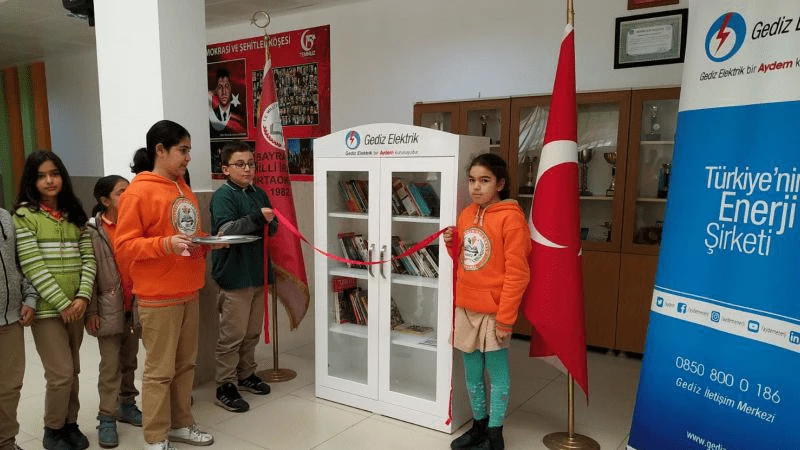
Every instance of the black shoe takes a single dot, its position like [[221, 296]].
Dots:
[[54, 440], [229, 398], [255, 385], [74, 437], [496, 438], [473, 436]]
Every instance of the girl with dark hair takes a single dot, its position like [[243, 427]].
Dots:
[[110, 318], [493, 243], [55, 253], [158, 216]]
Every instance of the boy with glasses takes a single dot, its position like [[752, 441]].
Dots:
[[239, 207]]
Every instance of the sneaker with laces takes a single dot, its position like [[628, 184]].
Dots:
[[72, 434], [190, 435], [255, 385], [129, 413], [164, 445], [229, 398]]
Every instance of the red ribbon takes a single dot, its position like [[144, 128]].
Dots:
[[415, 248]]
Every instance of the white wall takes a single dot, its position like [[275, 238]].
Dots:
[[74, 105], [388, 54]]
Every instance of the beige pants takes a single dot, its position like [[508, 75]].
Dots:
[[241, 317], [12, 370], [58, 345], [169, 335], [117, 366]]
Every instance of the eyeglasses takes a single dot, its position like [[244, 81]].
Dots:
[[242, 165]]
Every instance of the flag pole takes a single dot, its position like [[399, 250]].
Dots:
[[261, 20], [570, 440]]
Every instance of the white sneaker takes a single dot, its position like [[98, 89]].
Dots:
[[191, 435], [165, 445]]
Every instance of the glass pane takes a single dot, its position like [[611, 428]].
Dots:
[[438, 121], [657, 131], [348, 293], [598, 125], [532, 123], [485, 122], [414, 284]]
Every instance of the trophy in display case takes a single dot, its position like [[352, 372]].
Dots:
[[530, 184], [584, 156], [437, 125], [654, 133], [483, 124], [663, 180], [611, 158]]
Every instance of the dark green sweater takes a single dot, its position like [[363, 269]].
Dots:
[[236, 210]]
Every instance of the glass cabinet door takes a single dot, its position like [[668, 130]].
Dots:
[[489, 118], [439, 116], [351, 232], [655, 115], [414, 310], [602, 143]]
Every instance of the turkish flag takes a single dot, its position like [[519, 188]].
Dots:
[[273, 176], [553, 302]]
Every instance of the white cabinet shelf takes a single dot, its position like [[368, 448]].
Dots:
[[361, 358]]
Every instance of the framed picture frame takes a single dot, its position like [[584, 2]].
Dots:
[[638, 4], [650, 39]]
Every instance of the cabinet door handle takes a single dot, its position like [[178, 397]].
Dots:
[[383, 250], [369, 257]]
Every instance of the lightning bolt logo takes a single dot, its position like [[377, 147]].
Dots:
[[723, 33], [352, 140]]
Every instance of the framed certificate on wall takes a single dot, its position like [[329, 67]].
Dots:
[[637, 4], [650, 39]]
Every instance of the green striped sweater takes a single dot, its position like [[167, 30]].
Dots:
[[57, 257]]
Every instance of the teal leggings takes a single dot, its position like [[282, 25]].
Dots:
[[496, 363]]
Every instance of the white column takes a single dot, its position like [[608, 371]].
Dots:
[[151, 62]]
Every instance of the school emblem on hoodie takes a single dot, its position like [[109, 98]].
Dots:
[[477, 249], [184, 216]]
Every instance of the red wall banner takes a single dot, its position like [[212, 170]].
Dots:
[[302, 73]]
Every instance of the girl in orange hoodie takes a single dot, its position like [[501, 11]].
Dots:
[[158, 216], [492, 247]]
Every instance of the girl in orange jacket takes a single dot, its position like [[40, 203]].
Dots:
[[493, 246]]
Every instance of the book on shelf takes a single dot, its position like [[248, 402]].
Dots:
[[350, 250], [429, 197], [400, 189], [408, 328], [351, 306], [354, 195], [424, 210]]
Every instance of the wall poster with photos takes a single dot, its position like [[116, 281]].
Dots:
[[301, 69]]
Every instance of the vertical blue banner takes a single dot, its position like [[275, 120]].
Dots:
[[722, 358]]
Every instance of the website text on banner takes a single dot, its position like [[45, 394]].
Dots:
[[723, 345]]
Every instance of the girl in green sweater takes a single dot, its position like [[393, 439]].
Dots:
[[55, 253]]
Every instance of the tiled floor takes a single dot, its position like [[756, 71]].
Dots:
[[292, 418]]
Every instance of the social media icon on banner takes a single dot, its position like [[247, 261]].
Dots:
[[659, 301], [715, 316], [794, 337], [682, 308], [753, 326]]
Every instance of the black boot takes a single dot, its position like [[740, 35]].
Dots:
[[473, 436], [54, 440], [496, 438], [74, 437]]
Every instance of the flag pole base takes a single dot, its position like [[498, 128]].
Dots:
[[278, 375], [565, 441]]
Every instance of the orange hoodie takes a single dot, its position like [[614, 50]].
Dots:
[[493, 261], [151, 211]]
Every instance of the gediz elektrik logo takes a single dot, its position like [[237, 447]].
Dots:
[[352, 140], [725, 36]]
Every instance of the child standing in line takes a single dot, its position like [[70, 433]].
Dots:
[[239, 207], [110, 318], [492, 276], [17, 307], [55, 253], [158, 216]]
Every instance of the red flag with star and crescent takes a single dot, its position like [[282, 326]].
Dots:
[[553, 302], [273, 176]]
